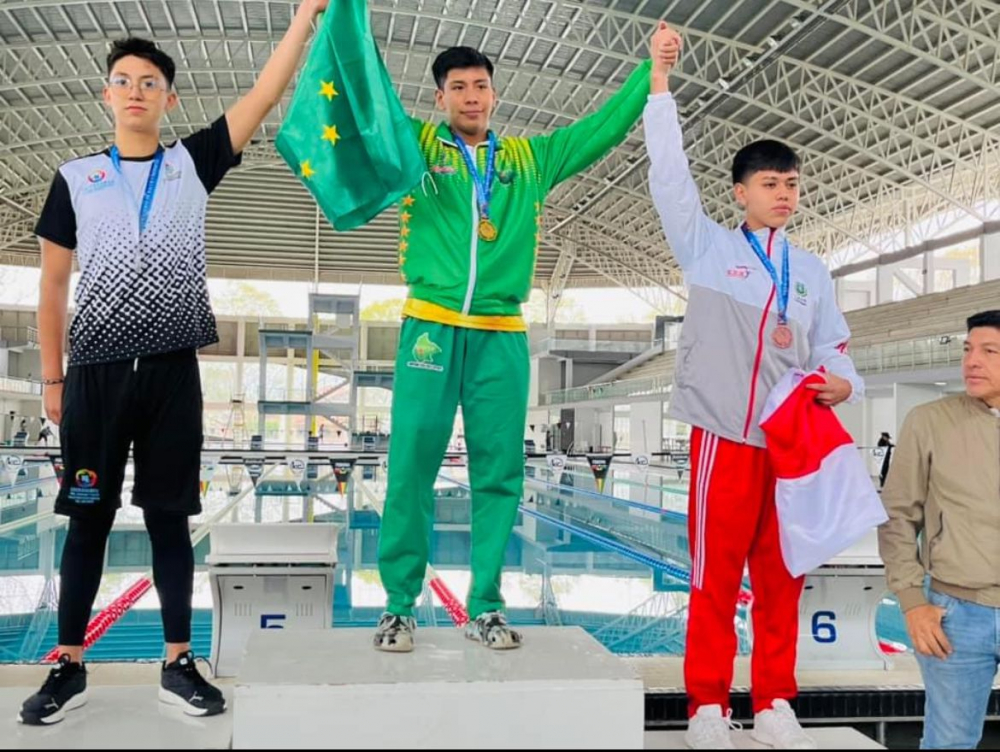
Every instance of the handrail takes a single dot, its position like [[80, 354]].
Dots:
[[20, 386], [649, 385], [550, 344], [15, 336], [941, 351]]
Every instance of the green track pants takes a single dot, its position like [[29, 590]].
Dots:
[[439, 367]]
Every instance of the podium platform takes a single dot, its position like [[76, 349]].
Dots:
[[826, 738], [123, 713], [116, 717], [332, 690]]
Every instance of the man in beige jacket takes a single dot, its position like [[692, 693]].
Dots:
[[941, 545]]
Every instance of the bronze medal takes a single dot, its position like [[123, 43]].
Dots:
[[782, 337]]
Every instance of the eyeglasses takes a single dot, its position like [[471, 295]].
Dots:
[[147, 84]]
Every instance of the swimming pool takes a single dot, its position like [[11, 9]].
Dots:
[[615, 563]]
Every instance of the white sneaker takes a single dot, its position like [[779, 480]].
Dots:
[[709, 729], [779, 728]]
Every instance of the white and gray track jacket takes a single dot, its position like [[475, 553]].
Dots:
[[726, 361]]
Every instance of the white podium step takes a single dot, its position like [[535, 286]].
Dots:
[[331, 690], [115, 718], [826, 738]]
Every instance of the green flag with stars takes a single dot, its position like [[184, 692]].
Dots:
[[346, 135]]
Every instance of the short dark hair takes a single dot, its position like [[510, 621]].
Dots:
[[458, 58], [986, 318], [763, 155], [136, 47]]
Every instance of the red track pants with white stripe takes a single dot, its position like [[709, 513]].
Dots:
[[733, 519]]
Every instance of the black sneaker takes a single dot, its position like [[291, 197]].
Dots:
[[65, 689], [394, 634], [491, 629], [183, 686]]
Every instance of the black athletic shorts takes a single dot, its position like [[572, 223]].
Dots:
[[153, 404]]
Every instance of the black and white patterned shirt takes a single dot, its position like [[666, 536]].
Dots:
[[138, 294]]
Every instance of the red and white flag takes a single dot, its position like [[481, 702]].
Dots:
[[825, 499]]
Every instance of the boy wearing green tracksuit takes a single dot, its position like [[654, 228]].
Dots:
[[467, 249]]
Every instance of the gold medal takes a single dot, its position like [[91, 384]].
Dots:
[[487, 230]]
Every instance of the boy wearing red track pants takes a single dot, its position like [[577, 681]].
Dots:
[[757, 307]]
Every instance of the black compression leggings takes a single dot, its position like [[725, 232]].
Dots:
[[83, 565]]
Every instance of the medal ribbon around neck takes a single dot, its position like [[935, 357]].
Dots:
[[783, 286], [149, 193], [483, 183]]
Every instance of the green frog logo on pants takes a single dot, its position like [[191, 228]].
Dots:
[[423, 354]]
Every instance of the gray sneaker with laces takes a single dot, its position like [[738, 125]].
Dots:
[[394, 634], [491, 629]]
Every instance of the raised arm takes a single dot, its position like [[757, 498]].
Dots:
[[246, 115], [688, 229], [566, 151]]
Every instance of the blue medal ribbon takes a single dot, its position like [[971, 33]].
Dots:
[[151, 183], [783, 285], [484, 184]]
